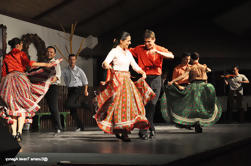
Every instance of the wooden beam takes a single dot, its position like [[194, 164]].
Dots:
[[53, 9]]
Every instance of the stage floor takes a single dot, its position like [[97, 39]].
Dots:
[[95, 147]]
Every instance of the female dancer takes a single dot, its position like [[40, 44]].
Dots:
[[121, 102], [20, 92], [197, 105]]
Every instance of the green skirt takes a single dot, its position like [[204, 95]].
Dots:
[[197, 103]]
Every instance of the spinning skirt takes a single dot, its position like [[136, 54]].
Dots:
[[120, 104], [21, 92], [197, 103]]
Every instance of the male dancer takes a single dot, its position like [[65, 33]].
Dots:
[[181, 84], [150, 58], [52, 94], [180, 70]]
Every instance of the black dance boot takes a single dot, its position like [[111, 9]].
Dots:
[[125, 137], [18, 137], [117, 135], [152, 134], [198, 128]]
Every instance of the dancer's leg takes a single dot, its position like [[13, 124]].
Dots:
[[14, 126], [21, 121]]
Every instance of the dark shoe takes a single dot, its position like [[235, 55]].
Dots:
[[18, 137], [125, 138], [198, 128], [144, 136], [152, 134], [118, 136]]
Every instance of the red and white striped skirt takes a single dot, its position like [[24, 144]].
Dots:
[[20, 96], [121, 104]]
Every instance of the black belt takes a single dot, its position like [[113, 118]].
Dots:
[[76, 87]]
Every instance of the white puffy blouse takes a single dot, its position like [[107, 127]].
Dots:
[[121, 59]]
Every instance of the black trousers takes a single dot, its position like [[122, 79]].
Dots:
[[154, 81], [232, 96], [52, 101], [73, 104]]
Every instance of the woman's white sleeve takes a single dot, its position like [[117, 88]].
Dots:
[[110, 56], [134, 65]]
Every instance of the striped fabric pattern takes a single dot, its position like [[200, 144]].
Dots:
[[197, 103], [121, 104], [21, 96]]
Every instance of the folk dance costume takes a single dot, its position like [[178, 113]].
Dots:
[[120, 102], [197, 105], [151, 63], [20, 92], [178, 71]]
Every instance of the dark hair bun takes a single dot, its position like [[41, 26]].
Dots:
[[13, 42], [10, 42], [195, 55], [120, 36]]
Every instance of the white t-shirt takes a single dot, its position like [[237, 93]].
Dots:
[[234, 83]]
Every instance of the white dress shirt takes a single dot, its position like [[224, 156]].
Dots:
[[58, 72]]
